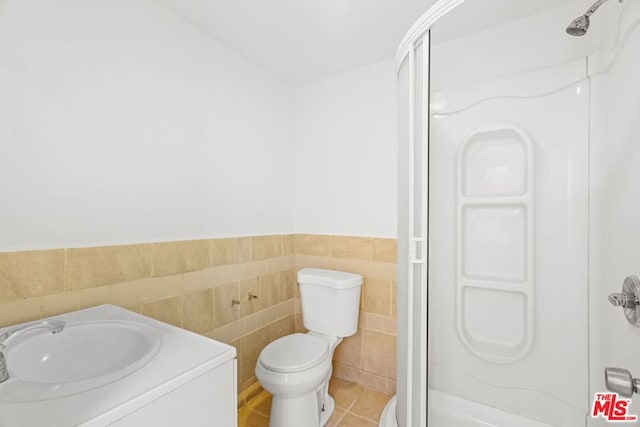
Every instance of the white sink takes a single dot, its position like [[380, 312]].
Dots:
[[109, 366], [85, 355]]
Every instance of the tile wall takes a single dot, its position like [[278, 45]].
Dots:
[[191, 284]]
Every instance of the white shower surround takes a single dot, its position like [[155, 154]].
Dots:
[[411, 407]]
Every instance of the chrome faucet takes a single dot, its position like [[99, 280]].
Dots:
[[54, 325]]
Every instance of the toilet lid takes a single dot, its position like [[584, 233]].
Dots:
[[294, 353]]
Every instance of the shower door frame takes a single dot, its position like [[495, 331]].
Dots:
[[413, 220]]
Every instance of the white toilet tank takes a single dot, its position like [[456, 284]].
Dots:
[[330, 301]]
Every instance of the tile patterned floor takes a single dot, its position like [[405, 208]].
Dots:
[[356, 406]]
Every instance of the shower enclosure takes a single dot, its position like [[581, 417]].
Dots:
[[519, 212]]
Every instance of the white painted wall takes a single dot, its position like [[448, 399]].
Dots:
[[122, 123], [346, 138]]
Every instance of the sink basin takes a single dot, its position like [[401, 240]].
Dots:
[[85, 355]]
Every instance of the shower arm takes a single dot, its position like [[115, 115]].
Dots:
[[596, 6]]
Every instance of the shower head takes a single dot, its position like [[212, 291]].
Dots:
[[580, 25]]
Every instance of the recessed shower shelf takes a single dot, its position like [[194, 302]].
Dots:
[[494, 259]]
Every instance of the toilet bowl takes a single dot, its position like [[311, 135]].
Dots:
[[296, 368]]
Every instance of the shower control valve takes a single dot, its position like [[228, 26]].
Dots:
[[629, 300], [622, 299]]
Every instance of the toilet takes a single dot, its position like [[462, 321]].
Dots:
[[296, 368]]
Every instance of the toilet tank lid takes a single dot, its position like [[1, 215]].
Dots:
[[330, 278]]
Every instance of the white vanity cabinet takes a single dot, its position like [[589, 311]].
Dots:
[[206, 401]]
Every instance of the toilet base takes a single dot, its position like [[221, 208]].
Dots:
[[290, 411], [329, 406], [300, 411]]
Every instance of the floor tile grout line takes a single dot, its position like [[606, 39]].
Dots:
[[339, 420], [347, 411], [359, 417], [255, 399], [355, 401], [256, 412]]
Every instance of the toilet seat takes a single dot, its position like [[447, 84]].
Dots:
[[294, 353]]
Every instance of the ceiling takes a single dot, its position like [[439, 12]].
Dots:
[[305, 40]]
